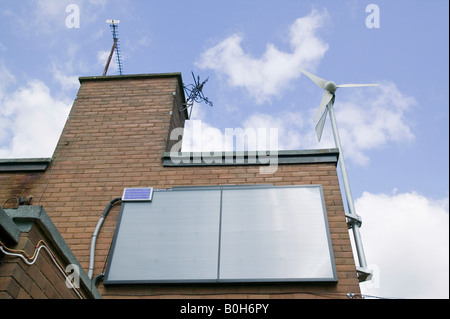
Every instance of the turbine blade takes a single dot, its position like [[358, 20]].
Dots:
[[326, 98], [320, 82], [320, 125], [354, 85]]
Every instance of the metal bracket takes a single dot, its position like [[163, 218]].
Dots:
[[353, 220], [364, 274], [186, 106]]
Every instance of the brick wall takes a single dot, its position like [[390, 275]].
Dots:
[[324, 174], [116, 134], [41, 280], [14, 185]]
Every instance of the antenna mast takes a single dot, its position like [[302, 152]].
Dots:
[[115, 32]]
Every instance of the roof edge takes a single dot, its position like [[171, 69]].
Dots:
[[262, 157], [24, 164], [129, 76]]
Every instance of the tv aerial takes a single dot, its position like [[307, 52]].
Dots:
[[114, 24], [326, 106], [194, 93]]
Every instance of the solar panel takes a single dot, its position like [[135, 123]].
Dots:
[[137, 194], [224, 234]]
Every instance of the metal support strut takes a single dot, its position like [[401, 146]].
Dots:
[[353, 220]]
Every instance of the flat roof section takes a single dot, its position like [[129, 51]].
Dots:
[[24, 164], [183, 159]]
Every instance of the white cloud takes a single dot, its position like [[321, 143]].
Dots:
[[368, 119], [67, 82], [6, 79], [268, 75], [287, 124], [372, 118], [256, 133], [406, 241], [32, 121], [199, 136], [46, 17], [63, 70], [102, 59]]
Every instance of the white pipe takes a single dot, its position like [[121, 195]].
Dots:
[[34, 260], [95, 234], [93, 242]]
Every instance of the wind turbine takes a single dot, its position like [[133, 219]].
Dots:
[[326, 105]]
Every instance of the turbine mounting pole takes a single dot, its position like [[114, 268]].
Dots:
[[355, 220], [326, 105]]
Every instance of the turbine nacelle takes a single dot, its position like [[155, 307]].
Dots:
[[331, 87]]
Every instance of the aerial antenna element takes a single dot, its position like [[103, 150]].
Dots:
[[114, 24], [195, 93]]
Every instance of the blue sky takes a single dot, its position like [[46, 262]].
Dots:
[[395, 136]]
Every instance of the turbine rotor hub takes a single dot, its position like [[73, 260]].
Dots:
[[331, 87]]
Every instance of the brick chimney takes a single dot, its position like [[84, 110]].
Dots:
[[114, 137]]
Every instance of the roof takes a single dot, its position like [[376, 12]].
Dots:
[[315, 156], [24, 164]]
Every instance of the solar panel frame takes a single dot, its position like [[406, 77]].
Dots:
[[225, 260]]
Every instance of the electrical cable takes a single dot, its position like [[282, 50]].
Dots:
[[325, 295], [30, 260], [46, 183], [364, 296]]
